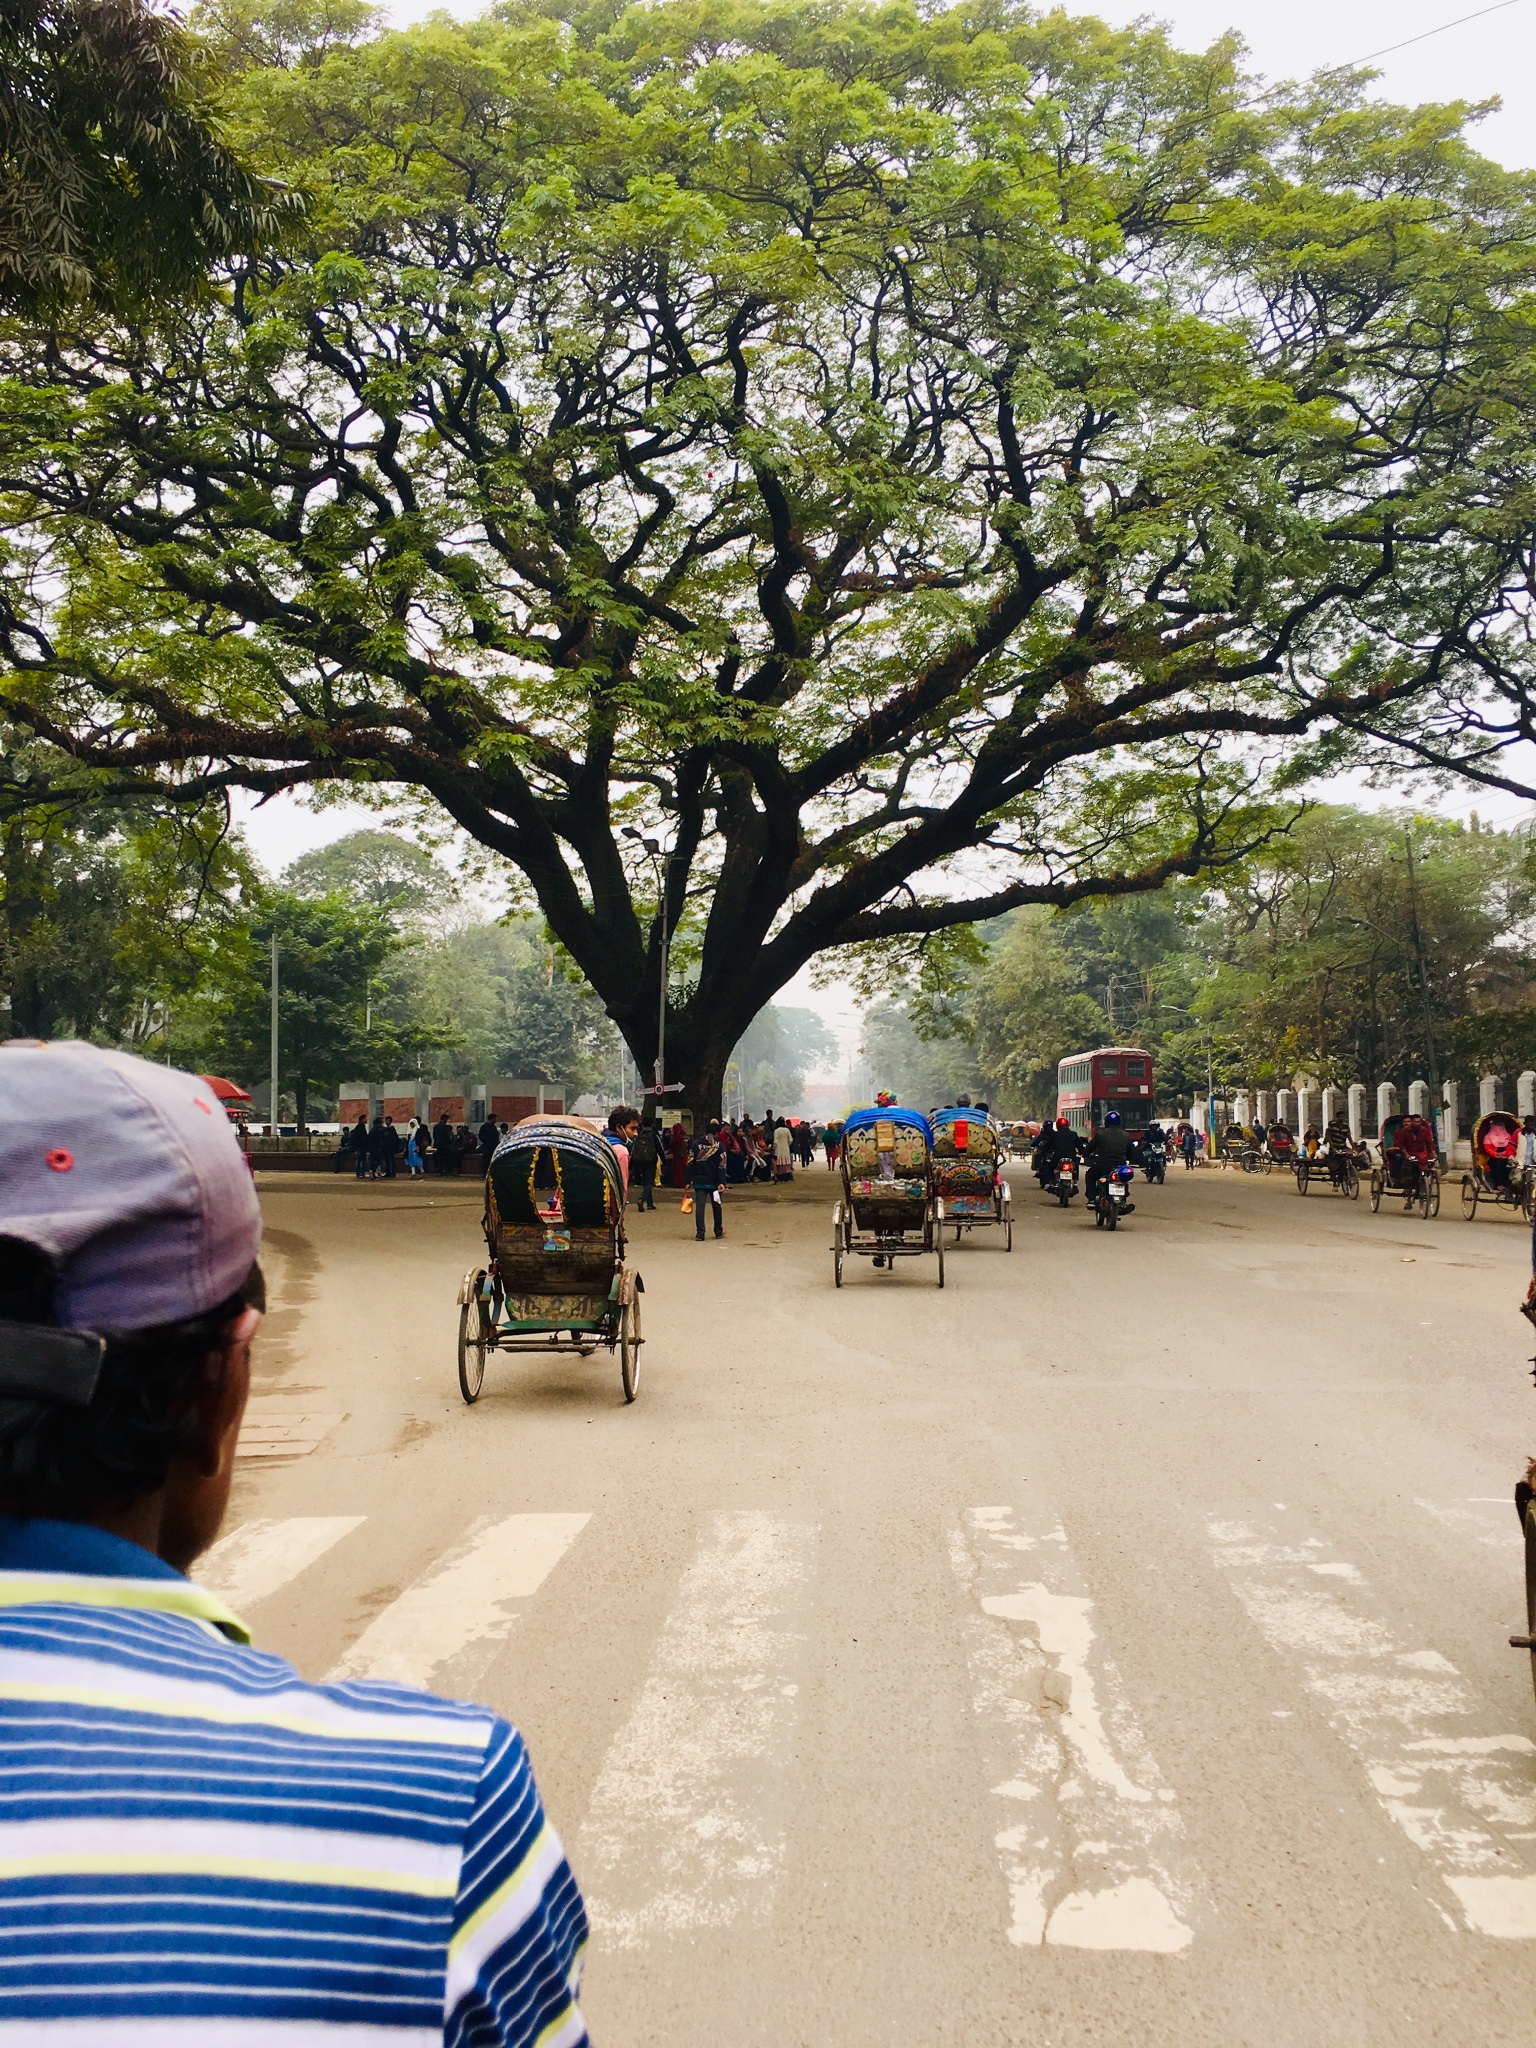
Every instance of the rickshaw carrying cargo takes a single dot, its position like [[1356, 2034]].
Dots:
[[554, 1235], [889, 1209], [968, 1155], [1497, 1175]]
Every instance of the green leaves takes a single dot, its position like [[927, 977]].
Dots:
[[914, 464]]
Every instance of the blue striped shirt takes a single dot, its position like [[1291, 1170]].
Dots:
[[196, 1846]]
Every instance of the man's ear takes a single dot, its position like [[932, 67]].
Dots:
[[222, 1396]]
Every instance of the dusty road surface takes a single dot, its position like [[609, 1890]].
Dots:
[[1109, 1648]]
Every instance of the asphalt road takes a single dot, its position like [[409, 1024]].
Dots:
[[1110, 1647]]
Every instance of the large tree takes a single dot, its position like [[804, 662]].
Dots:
[[884, 458]]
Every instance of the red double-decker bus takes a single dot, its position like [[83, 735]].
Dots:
[[1115, 1077]]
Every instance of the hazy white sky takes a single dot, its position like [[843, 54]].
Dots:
[[1492, 57]]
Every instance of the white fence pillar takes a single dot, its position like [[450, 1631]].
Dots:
[[1306, 1108], [1450, 1117], [1490, 1092], [1285, 1107], [1357, 1110], [1525, 1093], [1264, 1105], [1333, 1105], [1242, 1108], [1386, 1104], [1418, 1098]]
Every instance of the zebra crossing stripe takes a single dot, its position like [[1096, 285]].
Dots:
[[444, 1630], [1087, 1831], [683, 1831], [260, 1557], [1458, 1787]]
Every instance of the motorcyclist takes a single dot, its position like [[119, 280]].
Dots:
[[1108, 1148], [1059, 1143]]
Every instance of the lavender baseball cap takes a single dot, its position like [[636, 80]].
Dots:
[[130, 1177]]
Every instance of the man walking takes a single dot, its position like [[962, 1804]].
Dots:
[[201, 1847], [644, 1156], [488, 1137], [706, 1170], [442, 1145]]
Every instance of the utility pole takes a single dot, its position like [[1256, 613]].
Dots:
[[272, 1117], [1438, 1107]]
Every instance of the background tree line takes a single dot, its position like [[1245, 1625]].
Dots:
[[1361, 946]]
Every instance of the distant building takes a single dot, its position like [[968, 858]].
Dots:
[[460, 1098]]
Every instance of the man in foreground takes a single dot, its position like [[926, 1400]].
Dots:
[[196, 1846]]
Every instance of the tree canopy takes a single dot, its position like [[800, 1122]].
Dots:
[[909, 465]]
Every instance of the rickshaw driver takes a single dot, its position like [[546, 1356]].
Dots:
[[1338, 1145], [1108, 1148], [1415, 1142]]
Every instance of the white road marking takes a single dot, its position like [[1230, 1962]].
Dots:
[[1089, 1830], [1486, 1521], [259, 1558], [685, 1828], [447, 1627], [1466, 1797]]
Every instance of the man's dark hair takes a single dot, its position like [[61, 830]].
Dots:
[[620, 1115], [67, 1463]]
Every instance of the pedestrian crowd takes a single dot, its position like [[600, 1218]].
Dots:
[[374, 1149]]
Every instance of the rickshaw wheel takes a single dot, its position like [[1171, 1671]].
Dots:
[[1530, 1577], [939, 1237], [630, 1341], [1375, 1192], [1301, 1176], [837, 1265], [1429, 1195], [1352, 1181], [1008, 1234], [1468, 1196], [471, 1351], [1527, 1198]]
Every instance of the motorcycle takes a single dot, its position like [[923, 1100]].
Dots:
[[1064, 1182], [1109, 1203], [1154, 1163]]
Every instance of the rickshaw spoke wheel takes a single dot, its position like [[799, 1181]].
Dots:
[[630, 1341], [1468, 1197], [1530, 1577], [1432, 1196], [940, 1238], [471, 1351], [1375, 1192]]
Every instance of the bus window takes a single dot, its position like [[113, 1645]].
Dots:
[[1109, 1066], [1135, 1066]]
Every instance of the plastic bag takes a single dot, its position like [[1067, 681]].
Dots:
[[687, 1205]]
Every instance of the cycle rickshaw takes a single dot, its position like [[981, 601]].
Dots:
[[1280, 1147], [968, 1171], [1399, 1174], [1497, 1175], [889, 1209], [1231, 1144], [554, 1235], [1341, 1173]]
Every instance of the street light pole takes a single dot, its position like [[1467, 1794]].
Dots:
[[272, 1125]]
